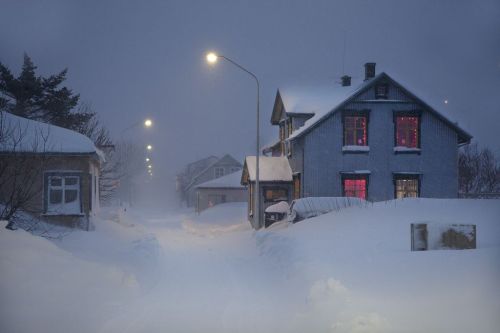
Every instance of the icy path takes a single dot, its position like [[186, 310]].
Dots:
[[211, 279]]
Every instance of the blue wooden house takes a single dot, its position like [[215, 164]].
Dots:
[[376, 140]]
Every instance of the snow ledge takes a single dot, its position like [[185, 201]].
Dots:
[[356, 149]]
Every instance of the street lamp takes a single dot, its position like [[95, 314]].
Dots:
[[146, 122], [149, 147], [212, 58]]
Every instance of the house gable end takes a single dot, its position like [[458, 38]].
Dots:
[[399, 94]]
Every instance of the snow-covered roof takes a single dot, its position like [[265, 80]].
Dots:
[[270, 169], [322, 100], [26, 135], [316, 99], [224, 160], [232, 180]]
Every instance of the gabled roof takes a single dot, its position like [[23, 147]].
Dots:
[[224, 160], [231, 180], [271, 169], [323, 101], [31, 136]]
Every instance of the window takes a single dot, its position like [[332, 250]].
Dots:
[[407, 131], [275, 194], [63, 194], [296, 186], [289, 127], [355, 186], [406, 186], [219, 172], [355, 129], [381, 91], [282, 131]]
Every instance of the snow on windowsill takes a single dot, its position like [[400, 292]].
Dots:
[[63, 214], [356, 148], [406, 149]]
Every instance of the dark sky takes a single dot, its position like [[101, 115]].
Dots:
[[132, 59]]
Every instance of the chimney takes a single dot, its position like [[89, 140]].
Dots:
[[346, 81], [369, 70]]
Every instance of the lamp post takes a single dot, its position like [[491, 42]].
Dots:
[[212, 59], [147, 123]]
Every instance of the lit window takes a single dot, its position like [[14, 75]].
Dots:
[[275, 194], [63, 194], [406, 187], [219, 172], [355, 187], [355, 131], [407, 131]]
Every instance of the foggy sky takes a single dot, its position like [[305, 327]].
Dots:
[[132, 59]]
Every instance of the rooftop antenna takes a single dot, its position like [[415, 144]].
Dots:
[[343, 53]]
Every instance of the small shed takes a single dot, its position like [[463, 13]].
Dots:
[[220, 190], [275, 181]]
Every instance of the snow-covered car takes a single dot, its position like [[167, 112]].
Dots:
[[276, 212], [305, 208]]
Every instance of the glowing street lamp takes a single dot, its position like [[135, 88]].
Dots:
[[147, 123], [148, 159], [149, 147], [150, 166], [212, 58]]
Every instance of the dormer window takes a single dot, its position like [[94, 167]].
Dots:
[[381, 91], [219, 172]]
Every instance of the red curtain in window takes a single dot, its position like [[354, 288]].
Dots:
[[355, 188], [407, 132]]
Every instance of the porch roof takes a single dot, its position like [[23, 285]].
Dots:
[[271, 169]]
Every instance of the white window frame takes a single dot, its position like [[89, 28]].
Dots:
[[63, 208], [216, 173]]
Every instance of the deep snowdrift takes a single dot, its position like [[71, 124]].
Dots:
[[346, 271]]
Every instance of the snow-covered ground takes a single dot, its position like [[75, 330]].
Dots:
[[346, 271]]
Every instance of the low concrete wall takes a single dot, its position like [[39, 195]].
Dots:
[[431, 236]]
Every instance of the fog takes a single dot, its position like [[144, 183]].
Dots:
[[132, 60]]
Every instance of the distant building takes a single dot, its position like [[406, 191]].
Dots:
[[194, 174], [220, 190], [376, 140], [59, 170]]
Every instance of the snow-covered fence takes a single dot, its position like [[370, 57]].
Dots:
[[435, 236], [304, 208]]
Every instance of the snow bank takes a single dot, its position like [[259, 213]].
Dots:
[[44, 288], [222, 218], [304, 208], [358, 270]]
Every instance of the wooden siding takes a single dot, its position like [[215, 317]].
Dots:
[[323, 159]]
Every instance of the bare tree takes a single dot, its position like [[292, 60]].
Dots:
[[21, 163], [479, 171]]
